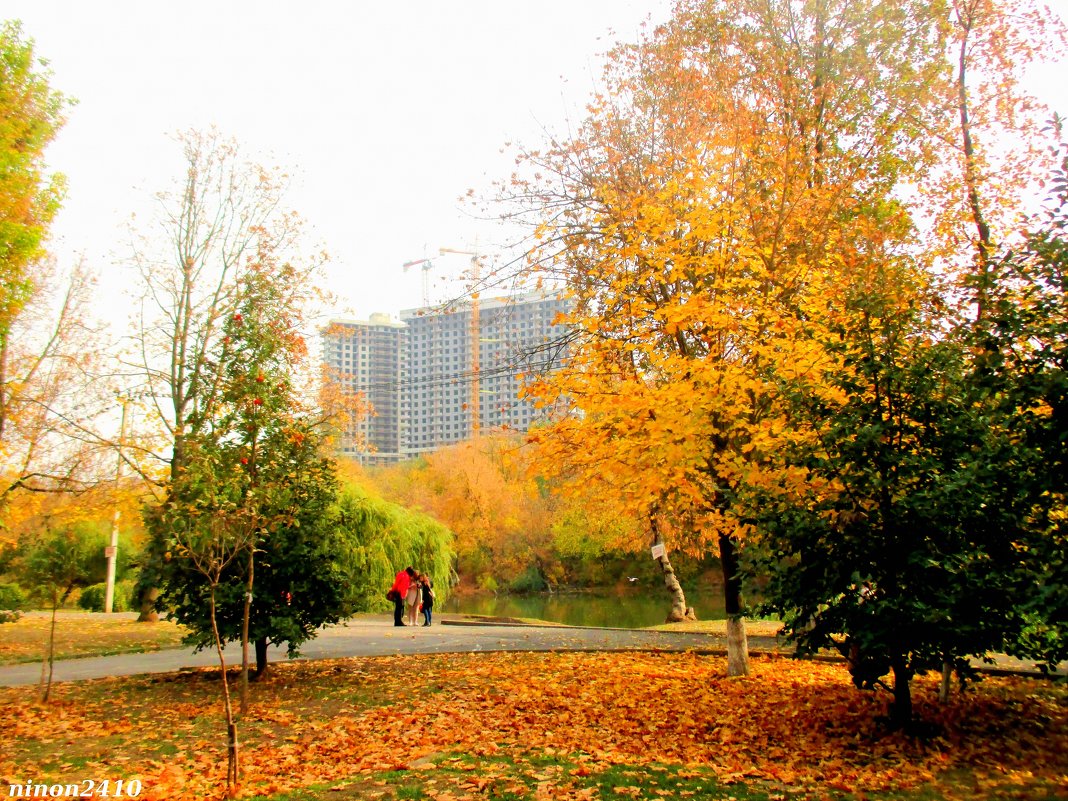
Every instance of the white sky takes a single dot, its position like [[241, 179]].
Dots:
[[384, 113]]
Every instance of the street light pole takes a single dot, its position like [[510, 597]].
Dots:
[[112, 551]]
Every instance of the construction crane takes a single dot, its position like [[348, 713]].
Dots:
[[475, 334], [426, 264]]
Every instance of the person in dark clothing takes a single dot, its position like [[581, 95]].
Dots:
[[397, 593], [428, 600]]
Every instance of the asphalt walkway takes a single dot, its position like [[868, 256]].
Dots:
[[378, 637]]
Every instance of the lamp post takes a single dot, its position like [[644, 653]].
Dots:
[[111, 553]]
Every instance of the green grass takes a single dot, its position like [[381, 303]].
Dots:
[[523, 779], [83, 634]]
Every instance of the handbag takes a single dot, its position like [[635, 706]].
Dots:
[[393, 596]]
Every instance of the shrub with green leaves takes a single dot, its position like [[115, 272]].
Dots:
[[12, 598], [92, 597]]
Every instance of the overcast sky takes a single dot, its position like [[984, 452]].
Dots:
[[384, 113]]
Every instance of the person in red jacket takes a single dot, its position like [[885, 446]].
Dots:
[[397, 593]]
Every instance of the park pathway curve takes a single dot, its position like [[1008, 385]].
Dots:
[[368, 636], [378, 637]]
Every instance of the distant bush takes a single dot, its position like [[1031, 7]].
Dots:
[[9, 615], [12, 597], [530, 580], [92, 598]]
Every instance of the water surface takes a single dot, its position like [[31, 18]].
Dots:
[[623, 608]]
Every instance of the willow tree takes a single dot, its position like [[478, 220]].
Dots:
[[728, 173], [377, 539]]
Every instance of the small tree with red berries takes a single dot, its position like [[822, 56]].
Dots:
[[262, 442]]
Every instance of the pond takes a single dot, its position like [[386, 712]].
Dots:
[[608, 607]]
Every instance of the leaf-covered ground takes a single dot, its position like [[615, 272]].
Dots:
[[83, 634], [581, 725]]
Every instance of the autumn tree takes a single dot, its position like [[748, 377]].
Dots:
[[994, 149], [724, 176], [32, 112], [502, 515], [210, 232], [266, 447], [50, 395], [47, 397]]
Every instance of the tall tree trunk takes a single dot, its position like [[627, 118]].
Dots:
[[901, 712], [737, 642], [50, 659], [233, 773], [148, 606], [947, 682], [261, 657], [245, 614], [971, 178], [679, 610]]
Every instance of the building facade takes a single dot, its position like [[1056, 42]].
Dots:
[[369, 357], [438, 390]]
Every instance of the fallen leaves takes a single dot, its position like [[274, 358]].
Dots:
[[338, 723]]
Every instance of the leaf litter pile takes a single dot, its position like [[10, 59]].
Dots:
[[500, 725]]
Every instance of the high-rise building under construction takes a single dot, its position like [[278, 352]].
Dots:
[[426, 383]]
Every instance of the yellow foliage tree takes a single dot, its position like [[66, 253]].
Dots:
[[744, 165]]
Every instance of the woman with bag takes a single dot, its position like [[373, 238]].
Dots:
[[398, 592]]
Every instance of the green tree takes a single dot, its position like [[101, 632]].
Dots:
[[297, 580], [266, 449], [224, 221], [32, 114], [889, 530], [57, 563], [1021, 371], [249, 495], [377, 539]]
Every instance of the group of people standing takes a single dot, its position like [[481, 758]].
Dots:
[[411, 593]]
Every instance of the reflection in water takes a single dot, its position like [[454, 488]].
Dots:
[[624, 608]]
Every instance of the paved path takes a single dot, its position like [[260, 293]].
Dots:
[[378, 637]]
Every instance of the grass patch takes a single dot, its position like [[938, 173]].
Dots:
[[80, 634], [753, 628], [513, 726]]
